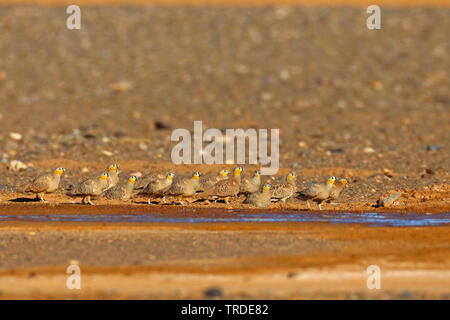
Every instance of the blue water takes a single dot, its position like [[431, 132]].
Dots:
[[376, 219]]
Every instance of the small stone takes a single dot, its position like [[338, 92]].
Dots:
[[213, 292], [122, 86], [15, 136], [369, 150], [388, 173], [432, 147], [284, 74], [106, 153], [337, 150], [143, 147], [161, 125], [85, 170], [16, 165], [377, 85], [302, 144]]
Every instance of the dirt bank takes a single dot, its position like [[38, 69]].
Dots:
[[242, 260]]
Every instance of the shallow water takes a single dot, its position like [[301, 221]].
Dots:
[[375, 219]]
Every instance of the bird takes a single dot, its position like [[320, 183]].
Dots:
[[207, 182], [121, 191], [143, 181], [184, 187], [338, 186], [225, 189], [260, 199], [318, 192], [90, 188], [46, 183], [251, 185], [284, 190], [157, 186], [113, 179]]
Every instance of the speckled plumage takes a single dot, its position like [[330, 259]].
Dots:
[[121, 191], [250, 184], [226, 188], [338, 186], [184, 187], [145, 180], [209, 181], [318, 192], [113, 179], [90, 188], [158, 186], [285, 190], [46, 183], [260, 199]]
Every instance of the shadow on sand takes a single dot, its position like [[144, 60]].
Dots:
[[22, 199]]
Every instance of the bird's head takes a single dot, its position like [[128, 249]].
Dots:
[[237, 171], [59, 171], [343, 181], [291, 176], [266, 187], [331, 180], [170, 176], [113, 168], [196, 175], [132, 179], [257, 174], [104, 176], [224, 173]]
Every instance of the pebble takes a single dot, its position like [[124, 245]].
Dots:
[[122, 86], [368, 150], [432, 147], [15, 136], [16, 165], [161, 125], [106, 153], [213, 292]]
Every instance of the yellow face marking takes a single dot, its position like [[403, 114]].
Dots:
[[331, 180], [343, 181], [112, 167], [103, 176], [266, 188], [291, 176], [237, 171], [170, 176], [59, 171], [196, 176], [224, 173], [131, 180]]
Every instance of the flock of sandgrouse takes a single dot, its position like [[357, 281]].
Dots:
[[184, 190]]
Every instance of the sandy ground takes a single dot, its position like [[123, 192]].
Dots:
[[272, 261]]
